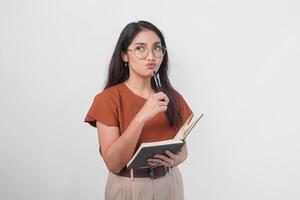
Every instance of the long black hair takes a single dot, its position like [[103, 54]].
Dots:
[[117, 73]]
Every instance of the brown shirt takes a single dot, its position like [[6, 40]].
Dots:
[[118, 105]]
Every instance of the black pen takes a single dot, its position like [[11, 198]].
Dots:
[[157, 81]]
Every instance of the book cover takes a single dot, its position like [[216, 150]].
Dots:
[[148, 150]]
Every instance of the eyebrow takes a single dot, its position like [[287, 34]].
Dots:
[[142, 43]]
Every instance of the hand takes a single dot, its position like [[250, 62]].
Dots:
[[155, 104], [171, 160]]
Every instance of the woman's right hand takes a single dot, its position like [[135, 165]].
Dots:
[[155, 104]]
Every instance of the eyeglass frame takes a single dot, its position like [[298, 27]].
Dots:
[[164, 52]]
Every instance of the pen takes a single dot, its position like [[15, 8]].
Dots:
[[157, 81]]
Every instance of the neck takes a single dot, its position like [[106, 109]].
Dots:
[[140, 85]]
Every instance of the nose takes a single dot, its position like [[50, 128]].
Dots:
[[150, 55]]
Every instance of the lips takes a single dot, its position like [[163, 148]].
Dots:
[[151, 65]]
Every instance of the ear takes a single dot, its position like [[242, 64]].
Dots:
[[124, 56]]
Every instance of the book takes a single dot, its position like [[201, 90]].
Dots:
[[149, 149]]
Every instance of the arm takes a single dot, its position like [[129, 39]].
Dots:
[[117, 149]]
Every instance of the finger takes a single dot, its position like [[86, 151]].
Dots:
[[165, 98], [170, 154], [152, 163], [161, 96], [159, 93], [161, 162], [163, 108], [164, 158], [156, 164], [156, 160], [162, 103]]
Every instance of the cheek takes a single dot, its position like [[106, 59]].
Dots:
[[137, 65]]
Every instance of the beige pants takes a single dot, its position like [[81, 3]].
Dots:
[[169, 187]]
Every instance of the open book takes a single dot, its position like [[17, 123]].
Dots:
[[148, 150]]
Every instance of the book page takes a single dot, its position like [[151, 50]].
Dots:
[[180, 133], [190, 126]]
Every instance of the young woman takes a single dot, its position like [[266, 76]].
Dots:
[[130, 111]]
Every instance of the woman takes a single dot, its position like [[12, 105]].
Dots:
[[130, 111]]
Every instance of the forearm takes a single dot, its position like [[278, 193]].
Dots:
[[120, 152]]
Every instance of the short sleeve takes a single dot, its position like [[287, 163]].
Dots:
[[104, 110]]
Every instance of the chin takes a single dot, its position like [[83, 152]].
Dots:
[[147, 74]]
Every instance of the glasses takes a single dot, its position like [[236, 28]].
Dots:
[[142, 52]]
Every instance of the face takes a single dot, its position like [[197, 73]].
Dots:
[[139, 62]]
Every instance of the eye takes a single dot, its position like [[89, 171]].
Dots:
[[140, 48], [158, 48]]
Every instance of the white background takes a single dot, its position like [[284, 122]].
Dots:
[[235, 61]]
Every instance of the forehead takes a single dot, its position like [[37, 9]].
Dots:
[[146, 36]]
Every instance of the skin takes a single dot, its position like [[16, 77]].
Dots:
[[117, 149]]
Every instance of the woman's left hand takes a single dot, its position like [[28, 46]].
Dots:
[[171, 160]]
